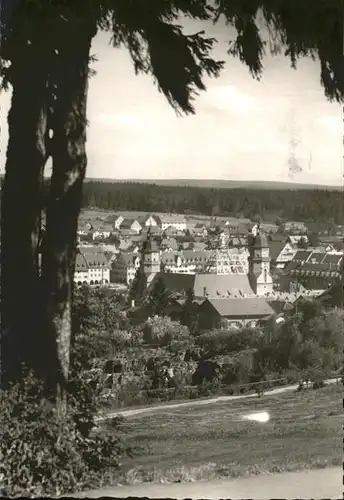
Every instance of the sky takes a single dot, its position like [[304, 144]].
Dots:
[[242, 129]]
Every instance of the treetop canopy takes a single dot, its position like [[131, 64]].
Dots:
[[178, 62]]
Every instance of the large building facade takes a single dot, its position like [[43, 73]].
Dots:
[[91, 268]]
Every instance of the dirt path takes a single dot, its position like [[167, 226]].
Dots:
[[315, 484], [218, 399]]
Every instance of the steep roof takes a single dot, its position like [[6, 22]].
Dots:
[[332, 259], [142, 219], [80, 263], [178, 283], [316, 257], [276, 248], [111, 218], [222, 285], [302, 255], [127, 223], [244, 307], [96, 260]]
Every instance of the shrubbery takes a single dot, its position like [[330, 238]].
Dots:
[[163, 332], [45, 453], [225, 341], [160, 359]]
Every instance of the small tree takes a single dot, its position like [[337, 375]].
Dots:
[[189, 315], [159, 298]]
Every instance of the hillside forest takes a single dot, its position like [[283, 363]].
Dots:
[[301, 205]]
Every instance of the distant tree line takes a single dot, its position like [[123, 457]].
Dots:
[[301, 205]]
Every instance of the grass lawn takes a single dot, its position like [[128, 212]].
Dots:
[[209, 442]]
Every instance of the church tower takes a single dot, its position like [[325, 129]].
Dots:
[[151, 259], [259, 263]]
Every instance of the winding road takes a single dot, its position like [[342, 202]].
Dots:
[[218, 399]]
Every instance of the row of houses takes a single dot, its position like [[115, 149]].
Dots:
[[164, 224], [137, 224]]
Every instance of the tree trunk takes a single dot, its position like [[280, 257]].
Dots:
[[20, 215], [64, 200]]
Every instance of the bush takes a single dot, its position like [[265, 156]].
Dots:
[[219, 342], [162, 331], [44, 453]]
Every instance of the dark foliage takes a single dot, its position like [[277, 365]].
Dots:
[[158, 298], [44, 453], [305, 205]]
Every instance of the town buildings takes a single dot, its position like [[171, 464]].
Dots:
[[312, 270], [91, 268]]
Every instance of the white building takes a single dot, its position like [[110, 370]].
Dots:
[[176, 221], [101, 233], [149, 220], [185, 262], [91, 268]]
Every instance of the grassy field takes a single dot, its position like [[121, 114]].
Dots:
[[209, 442]]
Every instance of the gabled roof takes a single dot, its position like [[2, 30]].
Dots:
[[246, 307], [111, 218], [127, 223], [178, 282], [276, 248], [316, 257], [225, 285], [80, 263], [302, 255], [142, 218], [155, 217], [332, 259], [96, 260]]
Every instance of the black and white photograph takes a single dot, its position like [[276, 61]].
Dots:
[[172, 249]]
